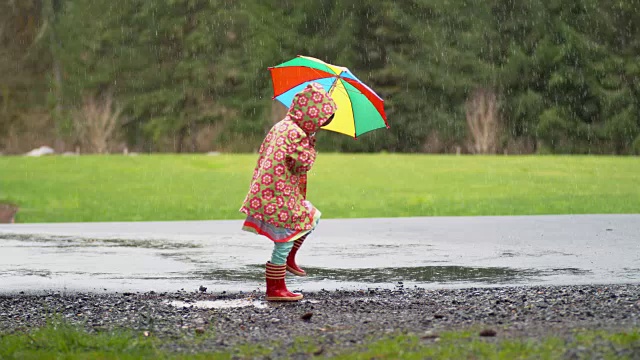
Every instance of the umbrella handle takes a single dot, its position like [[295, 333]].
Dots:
[[333, 85]]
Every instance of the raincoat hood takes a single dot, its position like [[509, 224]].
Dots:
[[311, 108]]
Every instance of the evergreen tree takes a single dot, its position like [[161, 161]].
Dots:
[[566, 73]]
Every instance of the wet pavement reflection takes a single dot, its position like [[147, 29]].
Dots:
[[360, 253]]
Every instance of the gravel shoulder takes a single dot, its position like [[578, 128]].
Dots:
[[334, 320]]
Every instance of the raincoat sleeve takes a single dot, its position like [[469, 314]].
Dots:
[[301, 155]]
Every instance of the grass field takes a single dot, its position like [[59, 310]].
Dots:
[[196, 187], [62, 341]]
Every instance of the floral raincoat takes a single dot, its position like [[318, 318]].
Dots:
[[279, 186]]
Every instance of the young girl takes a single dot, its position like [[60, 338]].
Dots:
[[276, 204]]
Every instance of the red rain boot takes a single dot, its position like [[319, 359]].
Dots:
[[291, 259], [276, 287]]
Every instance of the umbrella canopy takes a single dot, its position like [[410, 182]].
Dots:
[[360, 109]]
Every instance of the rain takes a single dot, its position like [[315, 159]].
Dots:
[[276, 179]]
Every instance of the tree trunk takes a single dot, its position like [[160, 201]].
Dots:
[[56, 68], [483, 122], [192, 134]]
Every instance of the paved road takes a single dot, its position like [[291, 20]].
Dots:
[[349, 253]]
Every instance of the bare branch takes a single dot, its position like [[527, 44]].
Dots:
[[96, 123]]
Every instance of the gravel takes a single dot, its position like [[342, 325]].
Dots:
[[335, 320]]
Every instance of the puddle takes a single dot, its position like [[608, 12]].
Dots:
[[228, 304], [26, 272], [219, 304], [78, 242], [424, 274], [565, 271], [251, 273], [419, 275]]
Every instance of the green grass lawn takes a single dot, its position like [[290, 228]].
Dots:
[[196, 187], [60, 341]]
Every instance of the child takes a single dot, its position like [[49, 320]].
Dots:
[[276, 204]]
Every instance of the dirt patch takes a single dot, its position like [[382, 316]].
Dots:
[[8, 213], [334, 320]]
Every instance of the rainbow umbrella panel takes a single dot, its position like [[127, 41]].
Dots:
[[360, 109]]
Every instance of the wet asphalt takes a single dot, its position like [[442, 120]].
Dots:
[[348, 254]]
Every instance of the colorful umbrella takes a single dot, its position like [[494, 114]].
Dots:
[[360, 109]]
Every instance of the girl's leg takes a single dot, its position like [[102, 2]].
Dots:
[[276, 273], [291, 259], [280, 252], [292, 266]]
